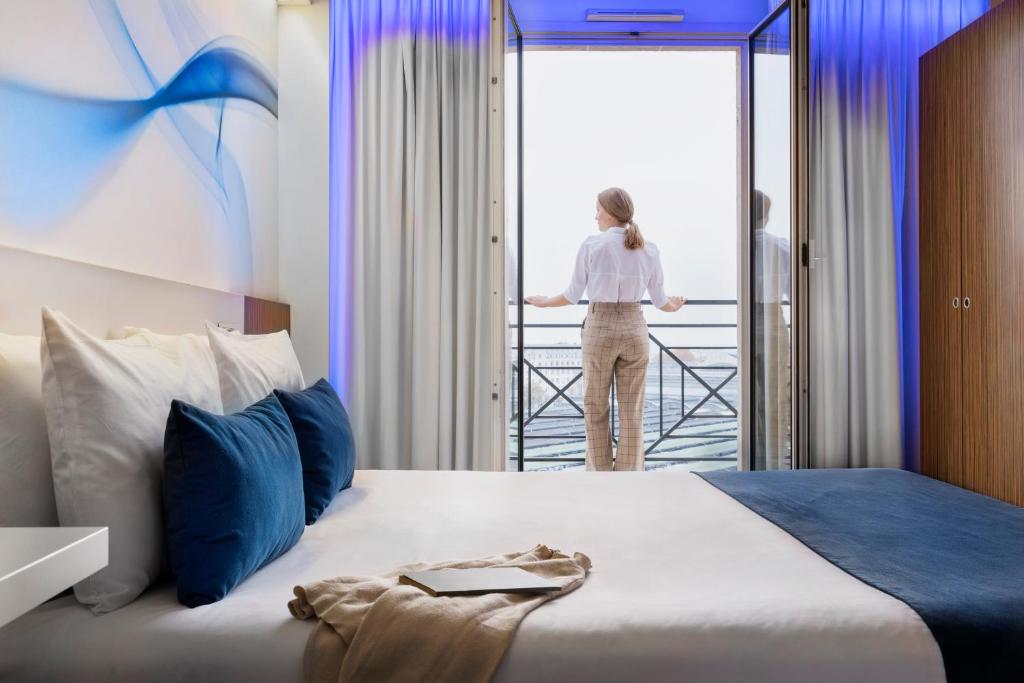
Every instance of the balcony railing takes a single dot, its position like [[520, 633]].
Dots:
[[690, 413]]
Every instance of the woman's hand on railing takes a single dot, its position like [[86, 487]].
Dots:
[[674, 304]]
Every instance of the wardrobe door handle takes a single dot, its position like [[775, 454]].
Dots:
[[967, 302], [956, 302]]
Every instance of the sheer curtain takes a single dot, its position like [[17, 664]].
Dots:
[[864, 384], [411, 329]]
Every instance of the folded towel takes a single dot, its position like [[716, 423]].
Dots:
[[372, 628]]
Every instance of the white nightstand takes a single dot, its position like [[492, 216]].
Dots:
[[38, 563]]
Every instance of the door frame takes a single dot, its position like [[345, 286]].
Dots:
[[801, 206], [745, 151]]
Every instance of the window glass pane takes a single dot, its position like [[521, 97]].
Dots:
[[771, 218]]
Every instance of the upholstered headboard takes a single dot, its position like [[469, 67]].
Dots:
[[102, 299]]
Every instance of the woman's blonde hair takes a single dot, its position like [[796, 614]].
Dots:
[[619, 205]]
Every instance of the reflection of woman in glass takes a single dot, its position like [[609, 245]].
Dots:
[[771, 343], [615, 267]]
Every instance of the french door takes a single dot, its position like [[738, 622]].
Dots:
[[771, 310]]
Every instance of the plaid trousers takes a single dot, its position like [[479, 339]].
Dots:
[[771, 389], [614, 343]]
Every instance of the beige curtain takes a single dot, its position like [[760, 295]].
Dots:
[[854, 339], [864, 358], [422, 341]]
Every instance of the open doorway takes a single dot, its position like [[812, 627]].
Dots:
[[664, 115]]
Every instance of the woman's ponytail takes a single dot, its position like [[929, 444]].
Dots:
[[634, 240], [619, 205]]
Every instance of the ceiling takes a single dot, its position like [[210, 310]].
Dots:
[[700, 16]]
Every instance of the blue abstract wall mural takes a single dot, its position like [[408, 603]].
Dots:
[[64, 149]]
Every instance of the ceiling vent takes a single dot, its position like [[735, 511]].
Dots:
[[636, 16]]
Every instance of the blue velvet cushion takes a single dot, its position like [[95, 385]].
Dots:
[[232, 495], [325, 443]]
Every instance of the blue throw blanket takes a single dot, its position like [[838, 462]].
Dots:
[[955, 557]]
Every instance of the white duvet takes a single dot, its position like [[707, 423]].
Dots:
[[687, 585]]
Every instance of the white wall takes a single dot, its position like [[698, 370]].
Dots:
[[303, 204]]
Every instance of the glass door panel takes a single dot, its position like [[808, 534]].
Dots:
[[771, 230]]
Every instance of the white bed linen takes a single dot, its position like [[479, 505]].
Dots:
[[687, 585]]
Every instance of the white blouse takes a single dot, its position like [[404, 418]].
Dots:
[[771, 256], [610, 273]]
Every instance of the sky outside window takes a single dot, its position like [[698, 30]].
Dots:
[[662, 125]]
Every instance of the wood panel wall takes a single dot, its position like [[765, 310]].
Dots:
[[263, 316], [972, 131]]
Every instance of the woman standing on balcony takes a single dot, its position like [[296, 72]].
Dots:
[[615, 267]]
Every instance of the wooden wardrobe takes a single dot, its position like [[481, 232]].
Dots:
[[972, 256]]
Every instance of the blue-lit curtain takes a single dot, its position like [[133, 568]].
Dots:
[[411, 344], [864, 328]]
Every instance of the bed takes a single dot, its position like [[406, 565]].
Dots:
[[788, 576], [688, 584]]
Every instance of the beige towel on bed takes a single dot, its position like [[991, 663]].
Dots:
[[374, 629]]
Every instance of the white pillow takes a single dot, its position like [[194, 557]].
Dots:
[[26, 485], [250, 366], [106, 406], [196, 342], [158, 338]]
